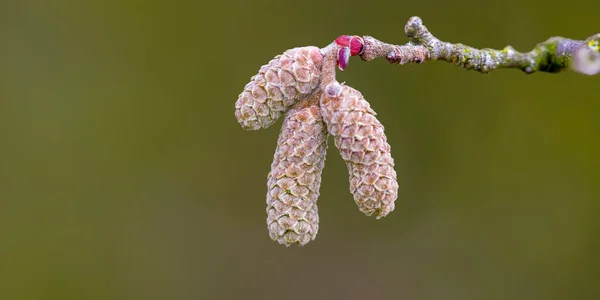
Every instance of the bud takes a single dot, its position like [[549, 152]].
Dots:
[[343, 57], [355, 43], [287, 78], [361, 140], [348, 46], [586, 59], [295, 177]]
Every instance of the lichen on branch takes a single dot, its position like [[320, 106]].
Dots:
[[552, 56]]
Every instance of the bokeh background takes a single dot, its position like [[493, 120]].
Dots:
[[124, 174]]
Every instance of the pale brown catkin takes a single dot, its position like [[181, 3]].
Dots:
[[287, 78], [361, 140], [295, 177]]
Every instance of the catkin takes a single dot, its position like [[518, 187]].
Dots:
[[361, 140], [295, 177], [287, 78]]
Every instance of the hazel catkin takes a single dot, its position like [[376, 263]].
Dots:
[[295, 177], [287, 78], [361, 140]]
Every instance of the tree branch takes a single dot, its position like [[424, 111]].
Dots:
[[552, 56]]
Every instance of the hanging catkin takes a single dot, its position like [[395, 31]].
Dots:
[[361, 140], [287, 78], [295, 177]]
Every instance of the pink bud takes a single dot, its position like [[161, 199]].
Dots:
[[343, 57], [356, 45], [333, 90], [343, 40]]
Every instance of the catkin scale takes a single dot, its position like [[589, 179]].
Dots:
[[287, 78], [295, 177], [361, 140]]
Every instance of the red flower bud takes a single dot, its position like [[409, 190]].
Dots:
[[354, 42], [343, 40], [343, 57], [356, 45]]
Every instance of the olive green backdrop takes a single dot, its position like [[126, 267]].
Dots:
[[124, 174]]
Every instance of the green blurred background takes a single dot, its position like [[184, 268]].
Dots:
[[124, 174]]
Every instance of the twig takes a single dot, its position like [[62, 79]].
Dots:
[[553, 55]]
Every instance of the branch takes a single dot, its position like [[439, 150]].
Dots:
[[552, 56]]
